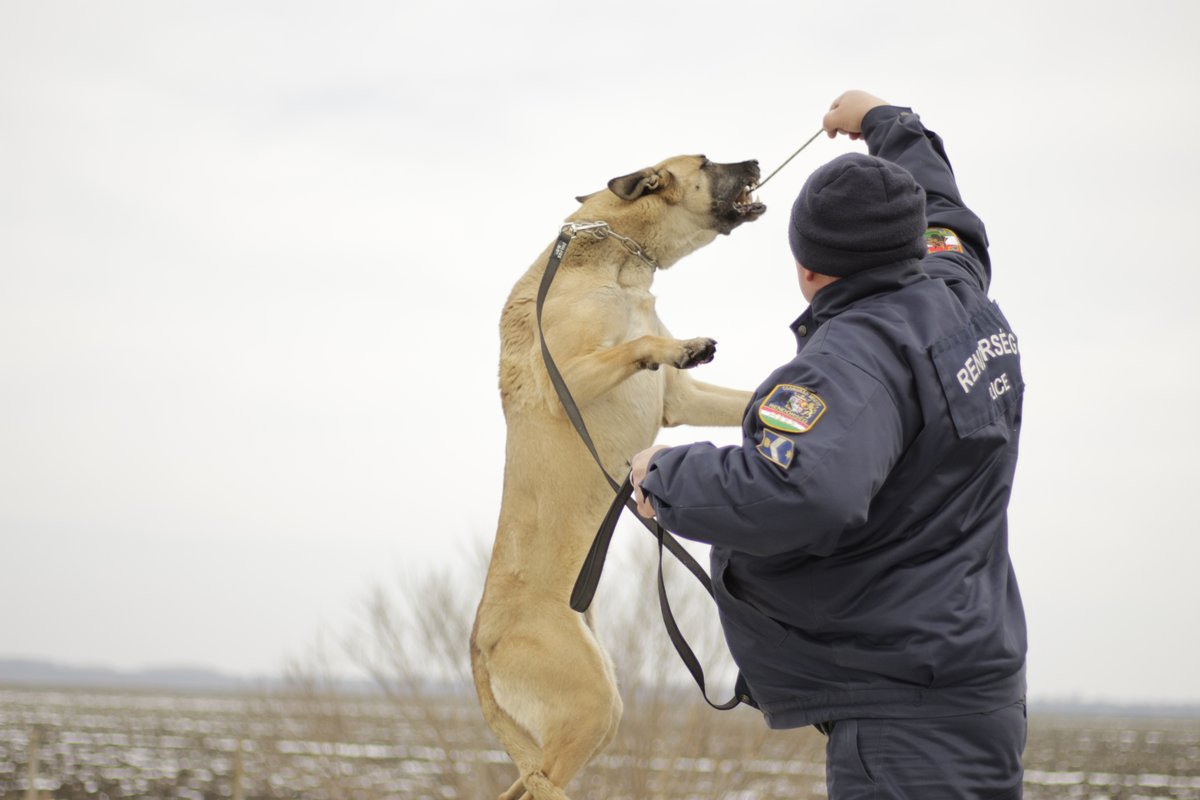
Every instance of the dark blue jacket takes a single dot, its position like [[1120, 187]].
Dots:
[[861, 567]]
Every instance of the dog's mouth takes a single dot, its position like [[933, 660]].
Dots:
[[741, 207], [747, 205], [733, 188]]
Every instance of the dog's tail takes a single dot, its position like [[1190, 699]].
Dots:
[[517, 741]]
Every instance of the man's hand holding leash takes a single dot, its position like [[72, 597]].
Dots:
[[637, 473], [846, 113]]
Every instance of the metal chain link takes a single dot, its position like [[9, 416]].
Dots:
[[602, 230]]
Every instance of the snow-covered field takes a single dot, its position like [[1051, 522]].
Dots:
[[119, 744]]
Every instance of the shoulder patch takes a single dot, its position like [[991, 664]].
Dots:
[[776, 448], [791, 409], [942, 240]]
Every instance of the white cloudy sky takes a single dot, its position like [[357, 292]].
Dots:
[[253, 255]]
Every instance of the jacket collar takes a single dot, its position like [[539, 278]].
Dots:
[[845, 292]]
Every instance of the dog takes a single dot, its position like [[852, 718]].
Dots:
[[546, 685]]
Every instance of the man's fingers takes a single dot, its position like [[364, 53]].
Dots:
[[832, 133], [828, 123], [645, 509], [638, 467], [643, 505], [834, 122]]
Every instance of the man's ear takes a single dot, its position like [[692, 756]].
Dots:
[[636, 184]]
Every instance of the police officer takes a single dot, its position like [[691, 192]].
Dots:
[[859, 533]]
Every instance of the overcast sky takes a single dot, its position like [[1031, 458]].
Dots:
[[253, 256]]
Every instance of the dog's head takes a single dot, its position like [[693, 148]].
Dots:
[[678, 205]]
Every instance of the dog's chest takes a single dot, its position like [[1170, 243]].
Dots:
[[625, 313]]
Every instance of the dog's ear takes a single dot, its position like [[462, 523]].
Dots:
[[583, 198], [636, 184]]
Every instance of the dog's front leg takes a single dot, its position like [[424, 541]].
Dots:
[[692, 402], [591, 375]]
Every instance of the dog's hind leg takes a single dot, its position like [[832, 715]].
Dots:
[[572, 743], [561, 689], [559, 769], [517, 742], [576, 731]]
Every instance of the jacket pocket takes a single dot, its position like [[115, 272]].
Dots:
[[742, 621], [848, 765]]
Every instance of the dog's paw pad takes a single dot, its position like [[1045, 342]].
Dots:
[[696, 352]]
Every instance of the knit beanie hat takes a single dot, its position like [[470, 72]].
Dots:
[[855, 213]]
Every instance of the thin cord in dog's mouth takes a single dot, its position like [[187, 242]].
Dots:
[[756, 186]]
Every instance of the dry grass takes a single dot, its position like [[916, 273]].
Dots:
[[420, 736]]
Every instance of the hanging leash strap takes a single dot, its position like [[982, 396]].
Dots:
[[589, 576]]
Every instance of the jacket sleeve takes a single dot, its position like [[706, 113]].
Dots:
[[897, 135], [736, 497]]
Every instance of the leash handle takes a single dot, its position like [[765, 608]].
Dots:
[[589, 575], [593, 565]]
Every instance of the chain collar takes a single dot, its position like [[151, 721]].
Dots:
[[602, 230]]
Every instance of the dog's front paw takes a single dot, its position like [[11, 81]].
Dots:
[[695, 351]]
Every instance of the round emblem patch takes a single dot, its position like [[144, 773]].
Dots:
[[942, 240], [792, 409]]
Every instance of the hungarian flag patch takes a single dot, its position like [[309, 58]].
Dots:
[[942, 240], [791, 409]]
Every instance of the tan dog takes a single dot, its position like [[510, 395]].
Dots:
[[545, 683]]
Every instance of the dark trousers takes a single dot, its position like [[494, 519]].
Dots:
[[969, 757]]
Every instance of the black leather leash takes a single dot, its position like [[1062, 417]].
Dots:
[[589, 575]]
